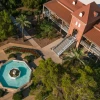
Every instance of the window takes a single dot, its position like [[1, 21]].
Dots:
[[76, 23], [74, 3], [79, 25]]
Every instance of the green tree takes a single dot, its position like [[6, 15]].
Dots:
[[6, 26], [46, 80], [74, 57], [46, 30], [23, 22], [9, 4], [17, 96], [1, 92], [12, 55], [52, 81], [79, 84], [34, 3]]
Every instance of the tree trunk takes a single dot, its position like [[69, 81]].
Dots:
[[23, 34]]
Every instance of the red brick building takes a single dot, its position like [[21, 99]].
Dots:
[[80, 21]]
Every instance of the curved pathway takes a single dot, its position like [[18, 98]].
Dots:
[[47, 52]]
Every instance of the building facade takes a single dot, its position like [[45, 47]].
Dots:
[[81, 23]]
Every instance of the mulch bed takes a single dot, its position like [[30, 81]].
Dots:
[[44, 42], [13, 40], [40, 41]]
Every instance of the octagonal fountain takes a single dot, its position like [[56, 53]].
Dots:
[[14, 74]]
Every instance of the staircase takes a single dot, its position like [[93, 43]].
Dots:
[[64, 44]]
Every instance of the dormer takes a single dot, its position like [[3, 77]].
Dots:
[[74, 2], [95, 14], [81, 14]]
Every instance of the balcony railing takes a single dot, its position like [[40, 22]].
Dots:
[[64, 44], [65, 28], [92, 48], [55, 21], [46, 14]]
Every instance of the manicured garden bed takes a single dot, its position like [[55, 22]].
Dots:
[[13, 40], [23, 50]]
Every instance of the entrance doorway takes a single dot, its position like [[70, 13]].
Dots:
[[74, 32]]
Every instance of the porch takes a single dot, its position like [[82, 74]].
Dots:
[[58, 21], [60, 17], [90, 46]]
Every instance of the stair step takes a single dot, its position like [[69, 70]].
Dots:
[[63, 45]]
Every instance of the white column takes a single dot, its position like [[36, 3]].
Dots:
[[90, 47]]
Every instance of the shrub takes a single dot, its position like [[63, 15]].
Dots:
[[17, 96], [46, 30], [1, 92], [29, 13], [15, 13], [24, 12]]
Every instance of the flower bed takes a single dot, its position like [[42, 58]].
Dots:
[[23, 50]]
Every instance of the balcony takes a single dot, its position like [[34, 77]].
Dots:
[[65, 28], [46, 13], [95, 49], [56, 20]]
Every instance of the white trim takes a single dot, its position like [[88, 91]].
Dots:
[[96, 28], [76, 23], [79, 25]]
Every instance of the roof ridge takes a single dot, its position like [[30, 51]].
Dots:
[[89, 10]]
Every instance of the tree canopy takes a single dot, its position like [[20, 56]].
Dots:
[[22, 22], [34, 3], [53, 81], [6, 26]]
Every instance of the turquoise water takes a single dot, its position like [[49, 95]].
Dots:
[[24, 77]]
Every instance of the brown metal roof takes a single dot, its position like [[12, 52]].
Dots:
[[59, 10], [88, 13], [93, 35], [68, 4]]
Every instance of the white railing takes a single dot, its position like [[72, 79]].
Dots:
[[66, 46], [65, 28], [46, 14], [63, 45], [92, 48]]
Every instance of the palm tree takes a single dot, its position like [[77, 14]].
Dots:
[[75, 57], [23, 22]]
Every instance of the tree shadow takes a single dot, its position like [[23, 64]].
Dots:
[[18, 56]]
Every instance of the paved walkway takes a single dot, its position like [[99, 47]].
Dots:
[[7, 97], [3, 56], [48, 53]]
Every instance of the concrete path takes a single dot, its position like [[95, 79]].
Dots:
[[48, 53], [7, 97], [3, 55], [29, 98]]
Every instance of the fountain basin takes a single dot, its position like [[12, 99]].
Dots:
[[18, 79]]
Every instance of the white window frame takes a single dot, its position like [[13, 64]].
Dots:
[[76, 23], [79, 25]]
